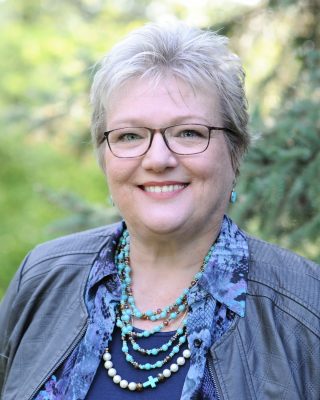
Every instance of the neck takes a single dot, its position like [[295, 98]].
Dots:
[[170, 253]]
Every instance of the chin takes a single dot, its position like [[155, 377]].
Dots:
[[163, 228], [161, 224]]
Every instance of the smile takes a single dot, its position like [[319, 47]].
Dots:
[[164, 188]]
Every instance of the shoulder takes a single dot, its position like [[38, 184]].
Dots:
[[85, 242], [283, 276], [76, 250], [261, 253]]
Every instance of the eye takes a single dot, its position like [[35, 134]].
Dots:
[[127, 135], [190, 132]]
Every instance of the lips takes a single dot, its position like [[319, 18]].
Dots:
[[163, 187]]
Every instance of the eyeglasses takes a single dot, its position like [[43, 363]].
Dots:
[[184, 139]]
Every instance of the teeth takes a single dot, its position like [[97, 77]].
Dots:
[[163, 189]]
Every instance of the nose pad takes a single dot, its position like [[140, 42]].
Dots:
[[158, 141], [159, 156]]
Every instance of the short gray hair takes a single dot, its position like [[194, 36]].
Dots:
[[199, 57]]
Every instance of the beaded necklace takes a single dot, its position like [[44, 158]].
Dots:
[[124, 320]]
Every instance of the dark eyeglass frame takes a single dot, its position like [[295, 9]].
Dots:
[[162, 131]]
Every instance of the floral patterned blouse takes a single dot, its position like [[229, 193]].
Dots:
[[219, 295]]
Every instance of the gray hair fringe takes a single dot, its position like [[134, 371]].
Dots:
[[199, 57]]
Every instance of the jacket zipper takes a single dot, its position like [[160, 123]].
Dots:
[[214, 377], [70, 350]]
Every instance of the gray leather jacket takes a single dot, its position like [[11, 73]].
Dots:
[[271, 353]]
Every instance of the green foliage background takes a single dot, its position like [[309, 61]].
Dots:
[[50, 182]]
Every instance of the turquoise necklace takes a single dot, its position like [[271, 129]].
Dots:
[[128, 310]]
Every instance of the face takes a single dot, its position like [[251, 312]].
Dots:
[[162, 192]]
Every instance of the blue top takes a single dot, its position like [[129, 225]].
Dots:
[[213, 303], [103, 384]]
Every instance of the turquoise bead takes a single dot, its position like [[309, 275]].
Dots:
[[152, 382], [182, 339], [176, 349], [146, 333], [147, 366], [125, 349], [135, 346], [154, 352], [138, 314], [129, 358], [164, 347], [125, 330]]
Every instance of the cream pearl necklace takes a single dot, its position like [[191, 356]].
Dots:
[[152, 380], [124, 320]]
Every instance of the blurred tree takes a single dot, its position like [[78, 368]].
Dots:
[[280, 195], [47, 53]]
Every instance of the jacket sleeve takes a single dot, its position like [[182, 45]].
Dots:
[[7, 323]]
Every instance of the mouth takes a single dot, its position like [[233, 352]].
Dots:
[[163, 187]]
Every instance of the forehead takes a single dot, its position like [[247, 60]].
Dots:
[[169, 97]]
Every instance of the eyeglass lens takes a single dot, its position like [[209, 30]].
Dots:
[[181, 139]]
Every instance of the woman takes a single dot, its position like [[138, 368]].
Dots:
[[175, 301]]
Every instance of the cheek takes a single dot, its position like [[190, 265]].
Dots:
[[222, 160], [113, 173], [119, 173], [217, 171], [115, 176]]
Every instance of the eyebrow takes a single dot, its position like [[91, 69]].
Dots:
[[140, 122]]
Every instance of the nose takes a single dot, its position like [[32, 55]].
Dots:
[[159, 157]]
